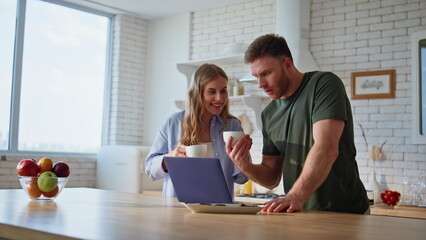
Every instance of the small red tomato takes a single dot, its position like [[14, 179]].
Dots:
[[390, 197]]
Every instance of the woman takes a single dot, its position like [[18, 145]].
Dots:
[[204, 121]]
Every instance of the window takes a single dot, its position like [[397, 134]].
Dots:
[[63, 75], [422, 80], [418, 54], [7, 36]]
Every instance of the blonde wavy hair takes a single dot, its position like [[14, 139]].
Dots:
[[191, 125]]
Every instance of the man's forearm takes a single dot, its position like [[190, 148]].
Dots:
[[262, 175], [316, 169], [268, 173]]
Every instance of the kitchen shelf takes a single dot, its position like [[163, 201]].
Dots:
[[252, 101], [248, 78], [188, 68]]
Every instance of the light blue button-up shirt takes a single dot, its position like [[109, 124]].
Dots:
[[167, 140]]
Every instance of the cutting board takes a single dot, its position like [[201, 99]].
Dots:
[[399, 211], [410, 207]]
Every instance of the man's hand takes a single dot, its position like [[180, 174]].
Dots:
[[289, 203], [268, 173], [240, 151]]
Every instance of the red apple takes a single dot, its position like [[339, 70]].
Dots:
[[61, 169], [27, 167]]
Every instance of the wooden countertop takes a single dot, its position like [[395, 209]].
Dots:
[[84, 213]]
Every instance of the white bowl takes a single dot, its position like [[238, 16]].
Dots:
[[234, 48]]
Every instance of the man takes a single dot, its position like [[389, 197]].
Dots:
[[307, 135]]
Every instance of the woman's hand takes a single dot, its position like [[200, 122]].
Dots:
[[179, 151]]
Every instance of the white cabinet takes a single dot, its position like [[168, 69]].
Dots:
[[252, 101], [121, 168]]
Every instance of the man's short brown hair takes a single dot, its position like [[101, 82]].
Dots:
[[267, 45]]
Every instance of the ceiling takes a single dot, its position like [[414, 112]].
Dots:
[[154, 9]]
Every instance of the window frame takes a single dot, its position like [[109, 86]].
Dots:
[[417, 138], [17, 81]]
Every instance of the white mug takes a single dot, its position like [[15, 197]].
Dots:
[[196, 150], [234, 134]]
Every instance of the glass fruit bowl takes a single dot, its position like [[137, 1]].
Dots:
[[46, 188]]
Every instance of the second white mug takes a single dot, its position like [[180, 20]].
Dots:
[[234, 134]]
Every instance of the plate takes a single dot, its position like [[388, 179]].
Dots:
[[237, 208]]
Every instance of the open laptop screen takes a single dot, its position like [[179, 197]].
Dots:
[[198, 180]]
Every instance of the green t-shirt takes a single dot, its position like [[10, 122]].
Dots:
[[287, 131]]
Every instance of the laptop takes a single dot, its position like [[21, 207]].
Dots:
[[198, 180]]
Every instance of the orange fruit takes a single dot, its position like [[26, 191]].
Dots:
[[45, 164], [32, 189], [51, 193], [34, 180]]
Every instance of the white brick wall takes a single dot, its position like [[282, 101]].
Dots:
[[128, 77], [214, 28], [382, 42]]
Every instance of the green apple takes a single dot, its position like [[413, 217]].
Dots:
[[47, 181]]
